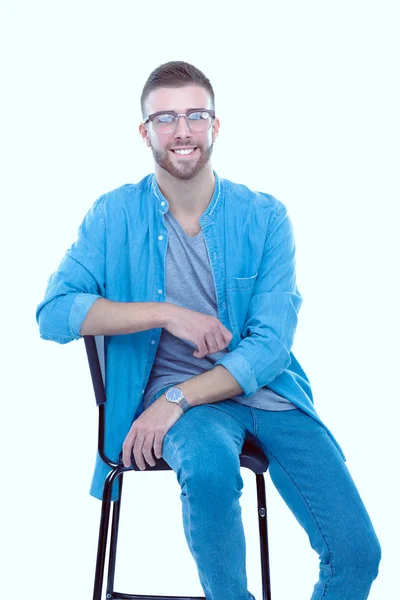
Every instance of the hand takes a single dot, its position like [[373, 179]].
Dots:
[[205, 331], [149, 430]]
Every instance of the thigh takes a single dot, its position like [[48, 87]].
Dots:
[[314, 481], [206, 439]]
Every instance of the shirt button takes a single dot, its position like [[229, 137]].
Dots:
[[143, 391], [215, 255], [160, 291], [160, 237], [162, 203], [224, 305], [153, 341]]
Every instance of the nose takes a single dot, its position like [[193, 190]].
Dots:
[[182, 127]]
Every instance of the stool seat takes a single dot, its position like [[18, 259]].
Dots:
[[251, 457]]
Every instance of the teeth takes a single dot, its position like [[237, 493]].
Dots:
[[185, 151]]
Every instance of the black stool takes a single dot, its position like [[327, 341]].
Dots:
[[251, 457]]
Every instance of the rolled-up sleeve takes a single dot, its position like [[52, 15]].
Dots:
[[271, 320], [78, 282]]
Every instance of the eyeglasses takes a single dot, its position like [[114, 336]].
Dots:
[[198, 119]]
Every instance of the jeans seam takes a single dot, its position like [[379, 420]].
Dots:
[[189, 511], [168, 437], [255, 422], [313, 517]]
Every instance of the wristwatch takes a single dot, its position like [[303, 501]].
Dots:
[[175, 394]]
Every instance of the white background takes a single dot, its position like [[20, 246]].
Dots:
[[308, 99]]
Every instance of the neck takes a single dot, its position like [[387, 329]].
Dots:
[[187, 198]]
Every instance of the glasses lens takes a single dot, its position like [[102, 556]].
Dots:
[[198, 121], [164, 123]]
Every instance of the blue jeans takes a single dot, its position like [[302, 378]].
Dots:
[[203, 449]]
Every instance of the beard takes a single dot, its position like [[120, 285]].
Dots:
[[185, 169]]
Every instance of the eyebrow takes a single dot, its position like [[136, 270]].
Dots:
[[175, 111]]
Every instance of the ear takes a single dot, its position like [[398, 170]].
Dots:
[[215, 127], [144, 133]]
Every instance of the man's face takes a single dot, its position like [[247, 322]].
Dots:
[[180, 100]]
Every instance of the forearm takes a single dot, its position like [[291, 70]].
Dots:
[[211, 386], [106, 317]]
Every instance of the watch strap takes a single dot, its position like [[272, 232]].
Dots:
[[184, 404]]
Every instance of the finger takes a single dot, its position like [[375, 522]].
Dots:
[[211, 343], [147, 449], [127, 449], [228, 336], [137, 452], [219, 340], [201, 350], [158, 444]]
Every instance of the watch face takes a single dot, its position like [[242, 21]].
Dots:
[[174, 394]]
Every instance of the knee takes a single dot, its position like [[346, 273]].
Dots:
[[363, 557], [217, 477], [374, 557]]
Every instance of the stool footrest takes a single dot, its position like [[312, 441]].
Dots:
[[121, 596]]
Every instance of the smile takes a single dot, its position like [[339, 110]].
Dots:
[[187, 152]]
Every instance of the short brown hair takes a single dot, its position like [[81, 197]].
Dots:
[[175, 73]]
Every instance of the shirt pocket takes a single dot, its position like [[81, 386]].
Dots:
[[238, 292]]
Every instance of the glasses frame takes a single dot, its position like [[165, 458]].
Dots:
[[177, 115]]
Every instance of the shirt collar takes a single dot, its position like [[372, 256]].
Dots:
[[209, 213]]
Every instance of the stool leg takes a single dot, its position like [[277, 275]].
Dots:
[[102, 544], [114, 538], [263, 529]]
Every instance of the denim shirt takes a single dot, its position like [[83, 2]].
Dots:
[[120, 255]]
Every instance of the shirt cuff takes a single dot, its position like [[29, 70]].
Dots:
[[79, 309], [240, 368]]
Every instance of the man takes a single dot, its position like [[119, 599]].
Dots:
[[191, 279]]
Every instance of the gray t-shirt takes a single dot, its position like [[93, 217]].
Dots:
[[189, 283]]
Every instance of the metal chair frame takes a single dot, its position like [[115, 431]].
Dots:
[[251, 457]]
